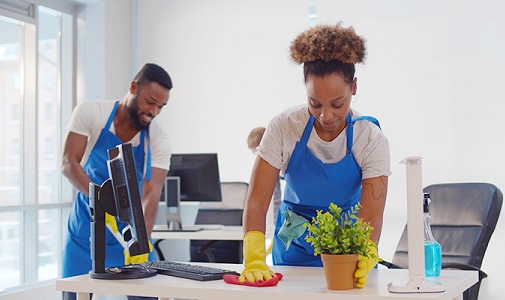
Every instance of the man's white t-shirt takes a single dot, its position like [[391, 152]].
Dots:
[[370, 146], [90, 117]]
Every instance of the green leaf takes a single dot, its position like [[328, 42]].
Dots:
[[336, 231]]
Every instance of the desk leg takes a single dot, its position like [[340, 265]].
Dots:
[[82, 296]]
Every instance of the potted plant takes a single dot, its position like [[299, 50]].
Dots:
[[340, 237]]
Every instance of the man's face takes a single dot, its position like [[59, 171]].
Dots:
[[146, 102]]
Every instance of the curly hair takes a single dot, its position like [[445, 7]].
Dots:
[[325, 49]]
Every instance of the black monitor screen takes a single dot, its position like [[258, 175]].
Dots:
[[199, 176], [122, 171]]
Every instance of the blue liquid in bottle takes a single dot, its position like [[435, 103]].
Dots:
[[432, 249], [432, 258]]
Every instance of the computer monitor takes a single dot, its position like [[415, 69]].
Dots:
[[119, 196], [192, 177]]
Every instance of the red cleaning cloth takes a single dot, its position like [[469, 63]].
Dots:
[[233, 279]]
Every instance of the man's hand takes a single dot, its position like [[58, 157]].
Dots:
[[111, 223], [137, 259]]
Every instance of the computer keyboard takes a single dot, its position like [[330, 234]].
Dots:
[[189, 271]]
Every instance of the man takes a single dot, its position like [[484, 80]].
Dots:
[[100, 125]]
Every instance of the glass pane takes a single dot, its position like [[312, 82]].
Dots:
[[49, 62], [49, 240], [10, 114], [10, 249]]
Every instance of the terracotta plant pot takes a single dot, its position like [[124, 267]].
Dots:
[[339, 270]]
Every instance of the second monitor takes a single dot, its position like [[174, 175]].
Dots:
[[192, 177]]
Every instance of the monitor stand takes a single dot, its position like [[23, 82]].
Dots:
[[172, 194], [101, 200]]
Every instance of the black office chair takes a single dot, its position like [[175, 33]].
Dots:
[[463, 218], [228, 212]]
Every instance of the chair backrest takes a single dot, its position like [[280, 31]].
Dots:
[[463, 218], [227, 212], [233, 195]]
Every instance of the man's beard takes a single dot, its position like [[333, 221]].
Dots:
[[134, 117]]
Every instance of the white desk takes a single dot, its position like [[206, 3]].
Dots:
[[224, 233], [299, 283]]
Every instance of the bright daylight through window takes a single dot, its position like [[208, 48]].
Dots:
[[32, 60]]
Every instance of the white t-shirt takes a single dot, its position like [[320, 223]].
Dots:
[[90, 117], [370, 146]]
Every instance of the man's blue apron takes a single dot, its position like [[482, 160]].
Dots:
[[310, 186], [77, 254]]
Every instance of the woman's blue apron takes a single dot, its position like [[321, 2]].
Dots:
[[77, 254], [310, 186]]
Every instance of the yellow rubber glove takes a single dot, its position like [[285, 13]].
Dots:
[[270, 247], [254, 258], [137, 259], [366, 264], [111, 223]]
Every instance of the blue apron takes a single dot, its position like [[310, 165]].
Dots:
[[310, 186], [77, 254]]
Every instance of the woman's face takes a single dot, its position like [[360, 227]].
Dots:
[[329, 100]]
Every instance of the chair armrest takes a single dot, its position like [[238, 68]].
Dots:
[[158, 249], [461, 266], [205, 250], [388, 264]]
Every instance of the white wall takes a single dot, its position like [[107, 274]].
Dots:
[[432, 77], [118, 47], [104, 56], [229, 64]]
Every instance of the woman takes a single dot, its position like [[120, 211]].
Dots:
[[326, 151]]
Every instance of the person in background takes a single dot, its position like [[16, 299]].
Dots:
[[96, 126], [325, 150], [253, 142]]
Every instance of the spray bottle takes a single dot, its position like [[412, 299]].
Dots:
[[432, 249]]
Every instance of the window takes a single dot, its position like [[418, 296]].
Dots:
[[15, 149], [35, 54], [15, 114], [49, 149], [49, 113], [49, 78], [10, 65], [15, 81], [10, 228]]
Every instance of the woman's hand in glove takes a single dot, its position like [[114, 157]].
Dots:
[[366, 264], [254, 258]]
